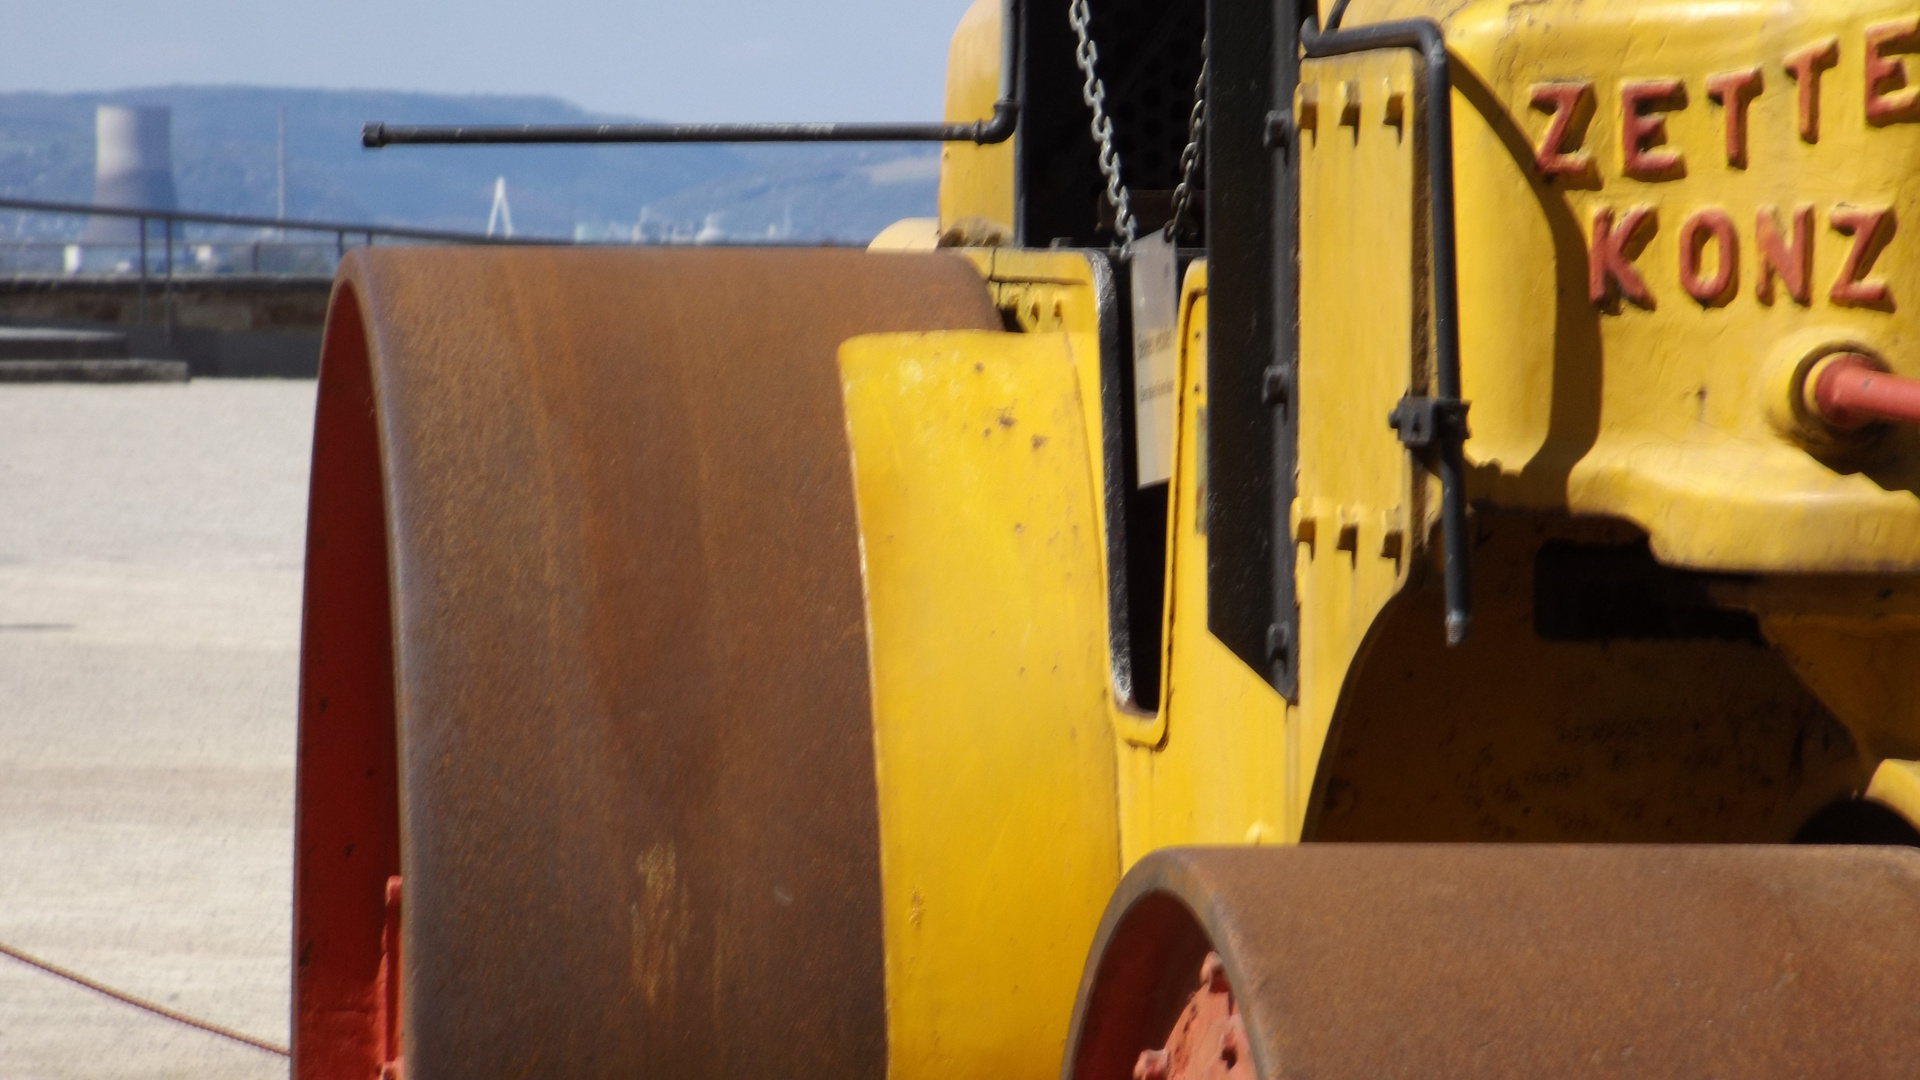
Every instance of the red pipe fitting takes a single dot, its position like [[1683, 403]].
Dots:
[[1849, 390]]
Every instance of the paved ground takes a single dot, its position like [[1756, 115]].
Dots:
[[150, 544]]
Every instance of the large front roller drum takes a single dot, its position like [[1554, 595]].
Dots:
[[584, 667], [1437, 962]]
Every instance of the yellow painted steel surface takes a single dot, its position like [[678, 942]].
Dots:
[[1651, 404], [976, 182], [1014, 788], [1223, 767], [1363, 513], [1896, 785], [986, 616]]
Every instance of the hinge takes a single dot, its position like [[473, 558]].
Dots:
[[1423, 421], [1277, 133], [1275, 382]]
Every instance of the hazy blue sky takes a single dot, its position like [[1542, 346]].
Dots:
[[671, 59]]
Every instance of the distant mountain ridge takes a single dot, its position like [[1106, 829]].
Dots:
[[224, 160]]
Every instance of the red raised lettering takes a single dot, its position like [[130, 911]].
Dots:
[[1805, 65], [1735, 90], [1559, 152], [1891, 98], [1711, 224], [1608, 265], [1643, 126], [1871, 228], [1791, 263]]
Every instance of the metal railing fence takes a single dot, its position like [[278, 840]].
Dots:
[[270, 249]]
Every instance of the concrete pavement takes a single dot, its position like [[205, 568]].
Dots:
[[150, 559]]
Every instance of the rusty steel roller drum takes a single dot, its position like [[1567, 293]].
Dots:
[[584, 665], [1375, 962]]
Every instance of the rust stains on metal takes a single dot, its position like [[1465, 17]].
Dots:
[[1467, 961], [636, 778]]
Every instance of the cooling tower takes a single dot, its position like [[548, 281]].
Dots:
[[133, 167]]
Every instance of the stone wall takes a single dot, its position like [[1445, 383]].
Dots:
[[230, 325]]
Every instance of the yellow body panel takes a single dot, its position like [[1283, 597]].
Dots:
[[976, 182], [1046, 292], [986, 609], [1661, 413], [1014, 788], [1362, 513], [1221, 770]]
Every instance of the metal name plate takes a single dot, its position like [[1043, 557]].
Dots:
[[1156, 332]]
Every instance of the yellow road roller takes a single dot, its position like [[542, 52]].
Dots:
[[1366, 541]]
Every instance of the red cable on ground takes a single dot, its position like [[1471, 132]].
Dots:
[[139, 1003]]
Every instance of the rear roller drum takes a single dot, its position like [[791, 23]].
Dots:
[[1382, 961]]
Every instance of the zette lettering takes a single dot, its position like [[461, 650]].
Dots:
[[1710, 239], [1643, 126], [1891, 98], [1735, 90], [1806, 65], [1559, 153]]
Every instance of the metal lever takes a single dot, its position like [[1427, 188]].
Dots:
[[1849, 391]]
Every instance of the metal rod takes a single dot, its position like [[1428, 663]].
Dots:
[[169, 294], [997, 128], [1424, 37], [376, 135], [143, 271], [251, 221], [1850, 391]]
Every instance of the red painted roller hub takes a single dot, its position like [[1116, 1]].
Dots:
[[1208, 1042]]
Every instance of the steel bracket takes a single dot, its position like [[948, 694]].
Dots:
[[1423, 422]]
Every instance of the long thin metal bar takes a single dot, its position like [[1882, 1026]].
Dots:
[[997, 128], [376, 135], [168, 304], [199, 218], [1424, 36], [143, 271]]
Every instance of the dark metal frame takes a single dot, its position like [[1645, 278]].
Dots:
[[1252, 336], [994, 129], [1115, 448]]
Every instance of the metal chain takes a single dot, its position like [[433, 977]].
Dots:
[[1190, 154], [1094, 93]]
